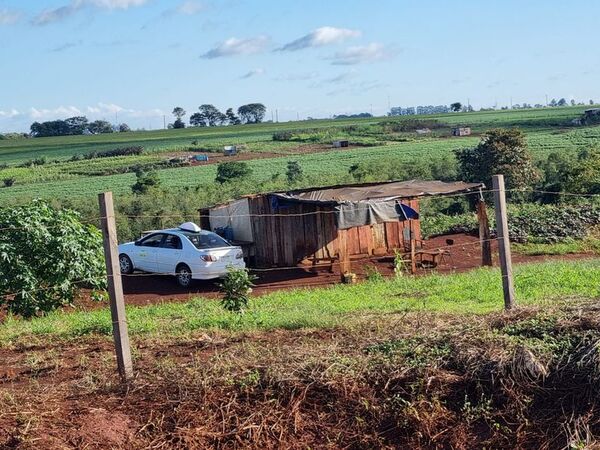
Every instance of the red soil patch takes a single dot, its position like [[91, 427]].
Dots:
[[465, 254]]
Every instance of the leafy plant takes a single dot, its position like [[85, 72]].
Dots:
[[8, 182], [145, 181], [46, 256], [232, 170], [294, 172], [372, 274], [399, 263], [236, 286]]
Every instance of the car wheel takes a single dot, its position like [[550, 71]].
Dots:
[[125, 264], [183, 274]]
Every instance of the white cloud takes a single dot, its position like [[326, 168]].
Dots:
[[56, 113], [297, 76], [9, 114], [361, 54], [320, 37], [253, 73], [234, 46], [191, 7], [8, 17], [48, 16]]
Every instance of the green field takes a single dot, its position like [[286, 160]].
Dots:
[[548, 130]]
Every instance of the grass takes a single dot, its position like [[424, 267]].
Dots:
[[475, 292]]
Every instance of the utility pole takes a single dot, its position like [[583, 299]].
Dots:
[[298, 116], [115, 286], [277, 115], [164, 122], [546, 99], [508, 286]]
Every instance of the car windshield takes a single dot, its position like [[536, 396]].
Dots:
[[206, 239]]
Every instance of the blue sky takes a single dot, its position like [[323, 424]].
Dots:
[[140, 58]]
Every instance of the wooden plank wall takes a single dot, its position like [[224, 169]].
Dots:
[[311, 232]]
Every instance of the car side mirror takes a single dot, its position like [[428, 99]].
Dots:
[[137, 243]]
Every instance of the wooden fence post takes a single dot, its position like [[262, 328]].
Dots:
[[484, 233], [344, 256], [503, 242], [115, 286]]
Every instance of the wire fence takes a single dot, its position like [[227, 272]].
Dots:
[[95, 220]]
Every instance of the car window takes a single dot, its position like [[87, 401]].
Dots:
[[152, 240], [173, 242], [206, 240]]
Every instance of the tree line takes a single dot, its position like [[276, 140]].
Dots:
[[75, 126], [209, 116]]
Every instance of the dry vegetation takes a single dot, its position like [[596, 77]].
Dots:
[[406, 380]]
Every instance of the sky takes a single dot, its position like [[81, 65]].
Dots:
[[134, 60]]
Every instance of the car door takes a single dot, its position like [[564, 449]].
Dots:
[[169, 254], [147, 253]]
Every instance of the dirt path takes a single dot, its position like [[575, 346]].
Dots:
[[465, 254]]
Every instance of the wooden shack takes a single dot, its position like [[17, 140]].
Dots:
[[332, 223]]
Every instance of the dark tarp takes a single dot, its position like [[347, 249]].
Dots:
[[368, 204]]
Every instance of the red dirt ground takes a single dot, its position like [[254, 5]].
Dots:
[[465, 255]]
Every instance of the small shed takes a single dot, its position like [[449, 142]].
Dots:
[[282, 229], [340, 144], [230, 150], [461, 131]]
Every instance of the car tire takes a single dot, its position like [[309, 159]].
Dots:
[[125, 264], [183, 275]]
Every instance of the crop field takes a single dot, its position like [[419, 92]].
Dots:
[[547, 130]]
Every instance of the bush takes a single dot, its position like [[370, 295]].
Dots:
[[125, 151], [236, 286], [46, 256], [282, 136], [232, 170], [550, 223], [294, 172], [8, 182], [145, 181]]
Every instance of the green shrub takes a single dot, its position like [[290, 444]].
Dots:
[[232, 170], [236, 287], [8, 182], [145, 181], [46, 256]]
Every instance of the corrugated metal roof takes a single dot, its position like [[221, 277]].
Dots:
[[393, 190]]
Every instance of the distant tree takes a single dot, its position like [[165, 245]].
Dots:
[[592, 102], [232, 119], [252, 112], [456, 106], [553, 103], [212, 114], [145, 181], [179, 112], [232, 170], [562, 102], [573, 102], [294, 172], [197, 120], [100, 127], [8, 182], [501, 151], [178, 123], [77, 124], [70, 126], [124, 128]]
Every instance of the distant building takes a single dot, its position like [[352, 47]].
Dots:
[[419, 110], [461, 131]]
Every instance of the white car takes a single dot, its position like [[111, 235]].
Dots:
[[186, 252]]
